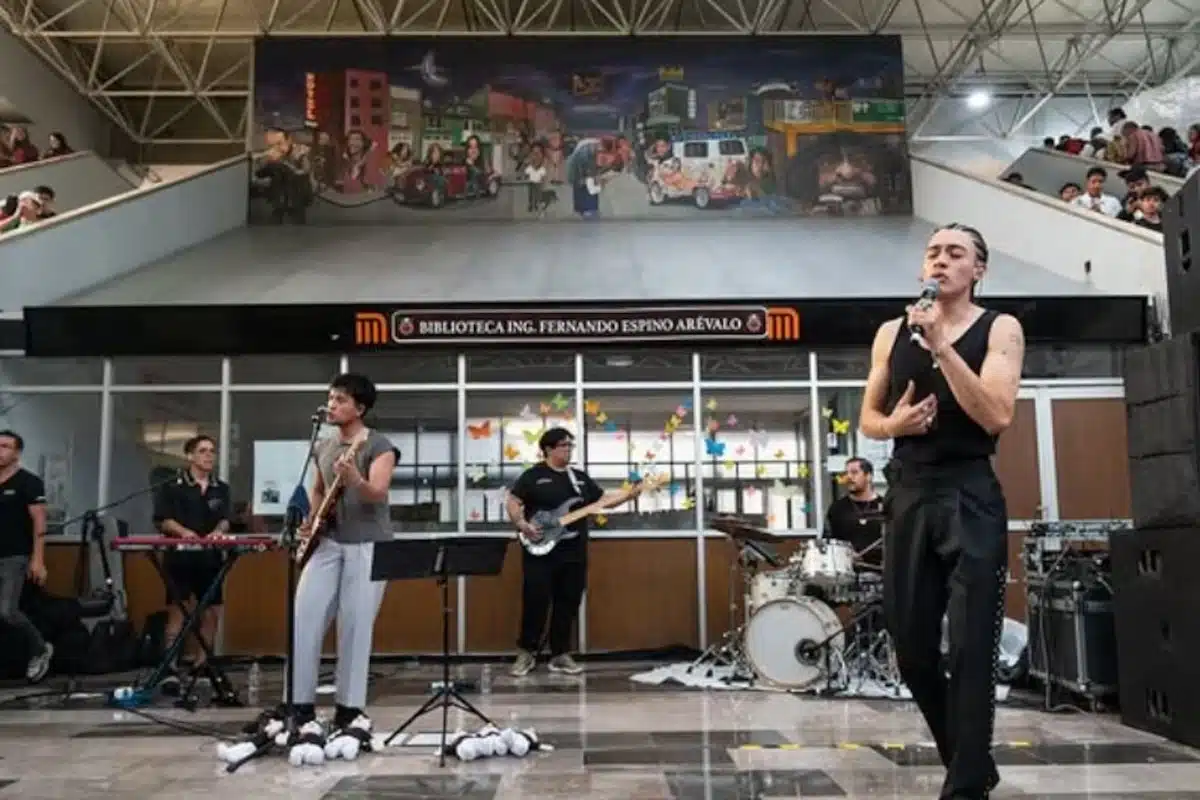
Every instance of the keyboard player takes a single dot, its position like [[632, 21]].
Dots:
[[195, 505]]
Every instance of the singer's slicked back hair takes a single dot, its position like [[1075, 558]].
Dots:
[[981, 248]]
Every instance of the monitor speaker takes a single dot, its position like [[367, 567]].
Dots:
[[1162, 406], [1181, 237], [1155, 594]]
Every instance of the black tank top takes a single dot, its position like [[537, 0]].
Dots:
[[955, 436]]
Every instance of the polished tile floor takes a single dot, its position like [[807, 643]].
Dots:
[[612, 739]]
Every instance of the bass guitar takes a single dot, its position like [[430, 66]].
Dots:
[[319, 521], [553, 524]]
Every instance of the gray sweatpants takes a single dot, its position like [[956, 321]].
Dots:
[[13, 570], [337, 580]]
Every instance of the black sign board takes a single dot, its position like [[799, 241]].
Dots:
[[247, 329]]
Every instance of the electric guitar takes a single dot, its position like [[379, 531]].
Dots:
[[319, 521], [553, 524]]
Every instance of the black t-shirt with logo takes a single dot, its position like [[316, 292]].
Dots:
[[17, 494], [858, 523], [543, 488], [199, 509]]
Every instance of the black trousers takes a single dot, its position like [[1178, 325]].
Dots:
[[946, 553], [552, 584]]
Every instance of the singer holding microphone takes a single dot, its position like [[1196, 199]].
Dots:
[[943, 385]]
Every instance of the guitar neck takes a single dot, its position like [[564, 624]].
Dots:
[[599, 505]]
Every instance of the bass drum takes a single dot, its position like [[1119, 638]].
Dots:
[[782, 641]]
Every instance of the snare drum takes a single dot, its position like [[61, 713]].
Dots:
[[777, 584], [827, 562]]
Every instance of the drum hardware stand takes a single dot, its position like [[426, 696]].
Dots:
[[728, 651]]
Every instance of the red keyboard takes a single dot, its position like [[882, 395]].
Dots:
[[259, 543]]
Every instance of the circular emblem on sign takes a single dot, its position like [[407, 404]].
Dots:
[[754, 323], [405, 328]]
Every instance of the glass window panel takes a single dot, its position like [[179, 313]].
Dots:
[[754, 364], [648, 365], [502, 430], [285, 369], [521, 366], [1068, 361], [841, 440], [843, 364], [62, 445], [154, 370], [758, 456], [428, 367], [149, 430], [51, 371], [271, 430], [640, 433]]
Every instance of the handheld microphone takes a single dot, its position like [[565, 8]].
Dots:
[[320, 414], [929, 293]]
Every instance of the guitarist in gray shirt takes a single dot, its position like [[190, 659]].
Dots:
[[552, 583]]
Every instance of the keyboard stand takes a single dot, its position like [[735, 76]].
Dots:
[[224, 694]]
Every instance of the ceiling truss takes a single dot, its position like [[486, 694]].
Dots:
[[180, 72]]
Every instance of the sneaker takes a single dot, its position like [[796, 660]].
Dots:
[[39, 665], [170, 683], [524, 664], [565, 664]]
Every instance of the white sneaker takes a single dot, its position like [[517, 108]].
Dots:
[[524, 664], [565, 665], [39, 665]]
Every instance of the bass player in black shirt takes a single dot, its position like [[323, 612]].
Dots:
[[943, 385]]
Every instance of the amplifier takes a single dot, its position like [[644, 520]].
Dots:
[[1072, 639]]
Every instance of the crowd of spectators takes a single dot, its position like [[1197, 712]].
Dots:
[[1136, 153], [16, 147]]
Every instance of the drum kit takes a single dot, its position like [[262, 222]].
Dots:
[[812, 623]]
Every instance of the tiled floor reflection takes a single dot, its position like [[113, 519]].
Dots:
[[612, 739]]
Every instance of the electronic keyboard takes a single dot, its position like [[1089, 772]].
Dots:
[[242, 544]]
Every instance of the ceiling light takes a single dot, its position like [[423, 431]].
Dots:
[[979, 99]]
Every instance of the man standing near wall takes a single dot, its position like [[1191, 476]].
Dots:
[[22, 547]]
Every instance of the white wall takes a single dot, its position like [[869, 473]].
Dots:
[[36, 91], [1044, 231], [78, 180], [93, 245]]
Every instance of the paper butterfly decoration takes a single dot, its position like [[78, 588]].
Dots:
[[591, 407], [713, 426], [785, 490], [687, 503], [840, 426], [714, 448], [739, 451], [481, 431], [731, 420], [758, 437], [526, 412], [511, 452], [477, 474], [760, 470], [711, 405], [544, 409], [560, 402], [779, 454], [802, 471], [531, 437], [600, 520], [474, 515], [826, 412]]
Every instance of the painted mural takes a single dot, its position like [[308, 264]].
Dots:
[[411, 130]]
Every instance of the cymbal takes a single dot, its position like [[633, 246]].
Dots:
[[738, 528]]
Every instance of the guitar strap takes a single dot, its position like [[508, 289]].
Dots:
[[574, 479]]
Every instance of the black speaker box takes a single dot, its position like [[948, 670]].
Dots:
[[1155, 600], [1181, 236], [1162, 403]]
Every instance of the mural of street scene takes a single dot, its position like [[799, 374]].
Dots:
[[408, 130]]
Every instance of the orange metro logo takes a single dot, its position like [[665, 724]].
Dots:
[[370, 328], [783, 324]]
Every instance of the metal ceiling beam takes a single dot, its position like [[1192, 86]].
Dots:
[[82, 56]]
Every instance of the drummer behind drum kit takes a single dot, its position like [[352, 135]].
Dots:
[[793, 636]]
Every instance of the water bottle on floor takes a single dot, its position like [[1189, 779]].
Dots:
[[254, 683]]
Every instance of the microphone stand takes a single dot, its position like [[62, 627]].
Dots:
[[289, 541]]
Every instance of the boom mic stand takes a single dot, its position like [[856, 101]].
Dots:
[[289, 541]]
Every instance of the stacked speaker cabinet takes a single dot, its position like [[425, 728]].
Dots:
[[1156, 566]]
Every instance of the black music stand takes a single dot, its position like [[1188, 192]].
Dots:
[[441, 559]]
